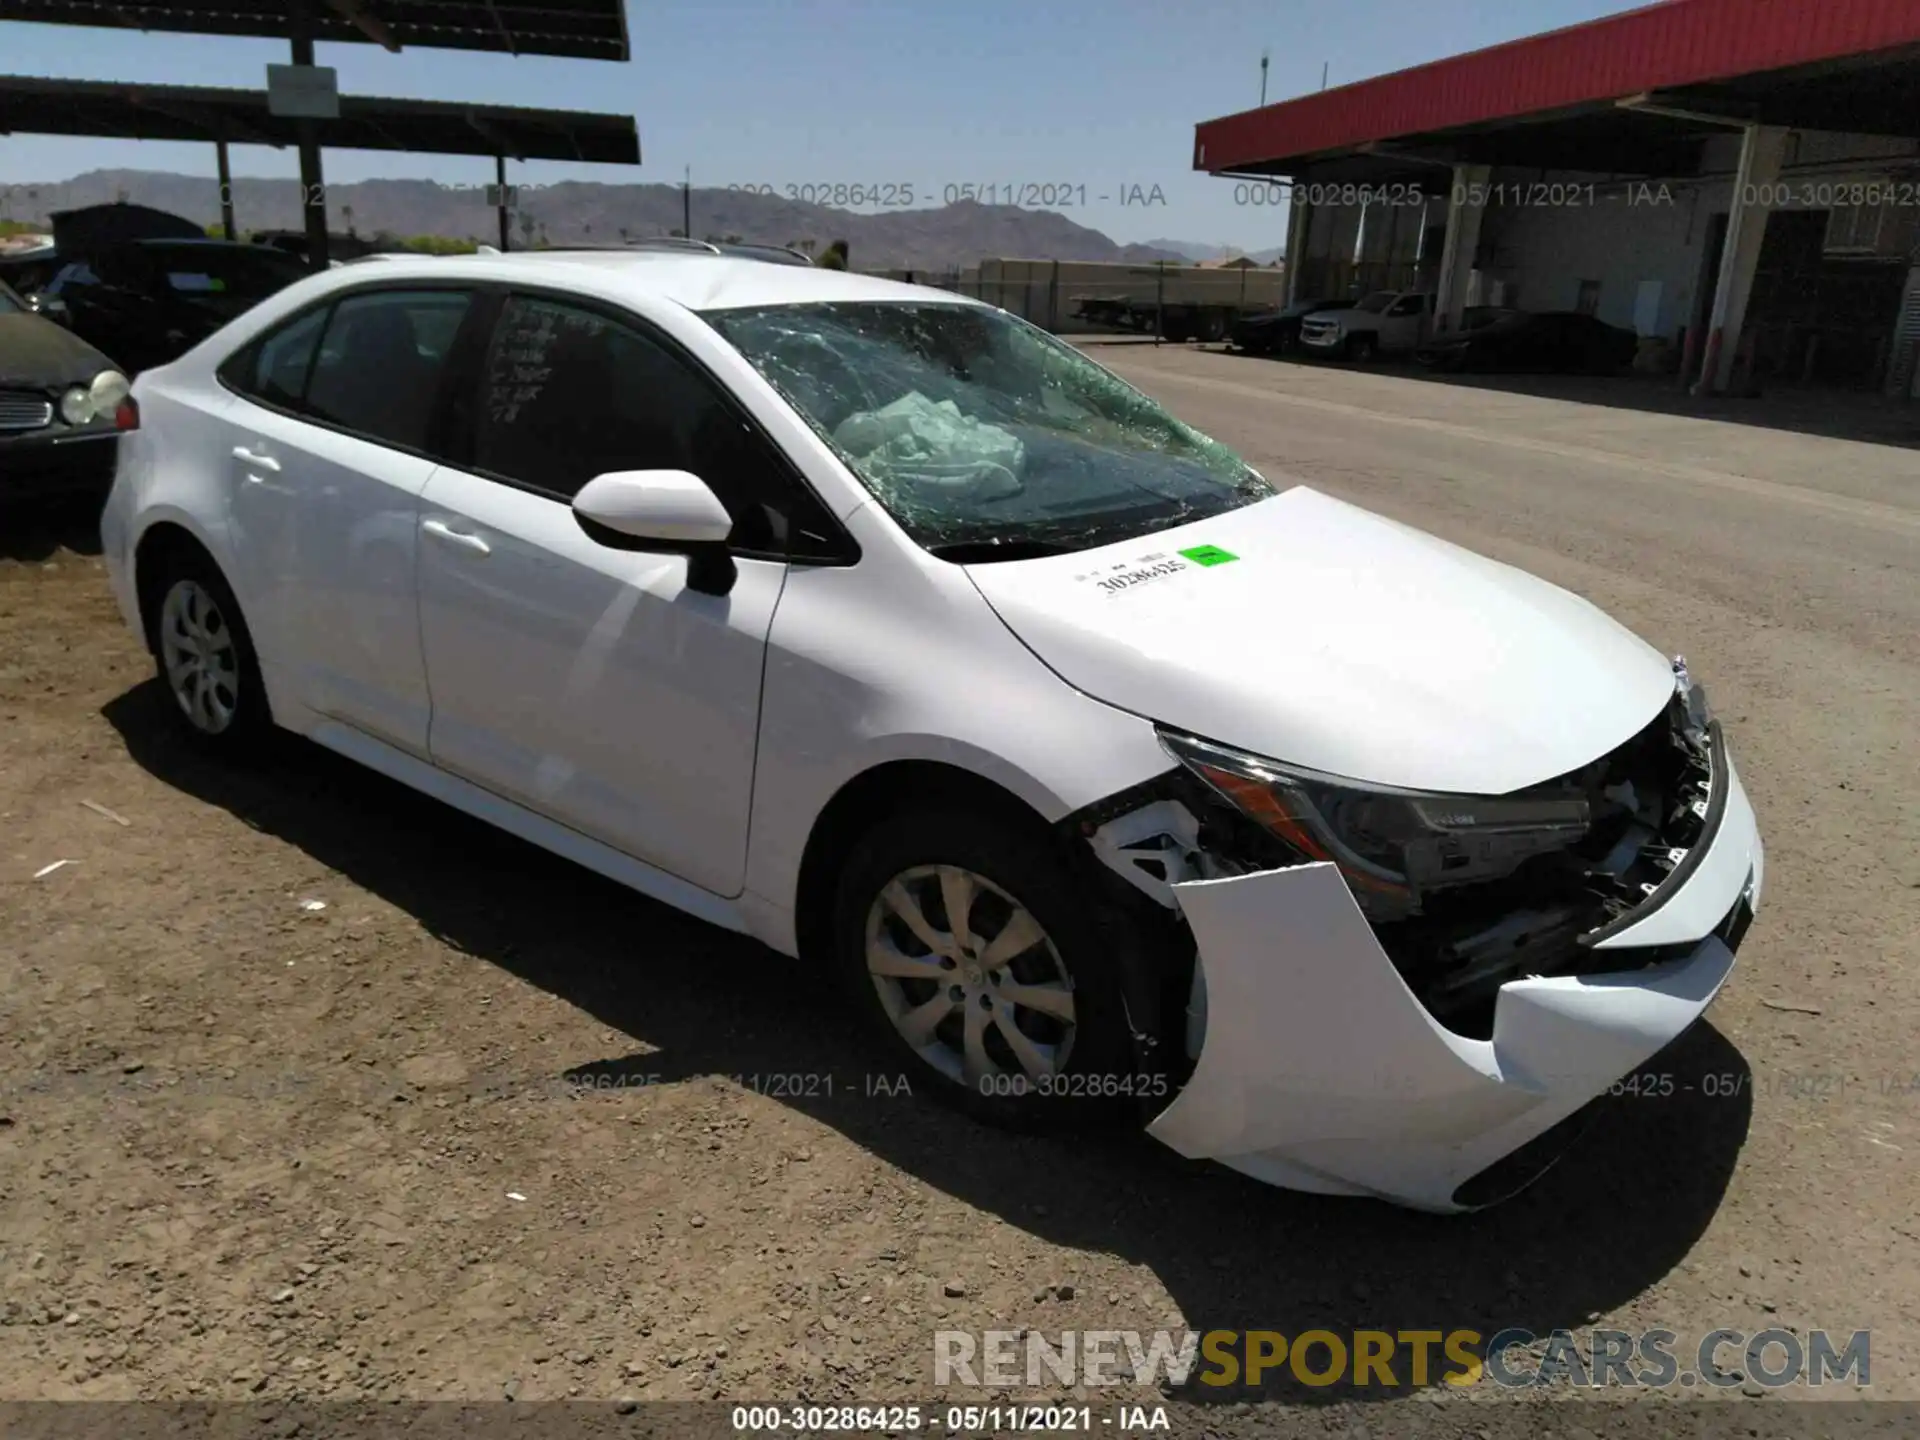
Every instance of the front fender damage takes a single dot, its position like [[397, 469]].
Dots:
[[1320, 1070]]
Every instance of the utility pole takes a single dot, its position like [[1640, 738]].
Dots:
[[1264, 57], [686, 203], [1323, 74], [500, 194], [313, 190]]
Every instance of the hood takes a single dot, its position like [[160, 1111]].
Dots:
[[37, 354], [1311, 631]]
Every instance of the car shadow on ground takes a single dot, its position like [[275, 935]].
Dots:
[[38, 528], [1828, 411], [1610, 1220]]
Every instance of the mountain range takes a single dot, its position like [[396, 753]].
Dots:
[[948, 237]]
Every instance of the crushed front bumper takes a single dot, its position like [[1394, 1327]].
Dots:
[[1319, 1070]]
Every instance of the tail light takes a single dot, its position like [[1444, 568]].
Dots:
[[126, 415]]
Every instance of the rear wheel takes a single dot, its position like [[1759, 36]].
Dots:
[[978, 964], [205, 655]]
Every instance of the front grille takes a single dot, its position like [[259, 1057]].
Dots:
[[1656, 803], [24, 410]]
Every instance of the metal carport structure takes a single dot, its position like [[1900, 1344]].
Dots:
[[576, 29], [222, 117]]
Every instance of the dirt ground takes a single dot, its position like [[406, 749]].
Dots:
[[311, 1088]]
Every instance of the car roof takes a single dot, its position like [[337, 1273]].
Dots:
[[695, 280]]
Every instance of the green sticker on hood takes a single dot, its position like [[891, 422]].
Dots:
[[1209, 555]]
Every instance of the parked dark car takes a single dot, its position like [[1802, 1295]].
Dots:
[[146, 302], [26, 267], [1278, 333], [60, 406], [1558, 340]]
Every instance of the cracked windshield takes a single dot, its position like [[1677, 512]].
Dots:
[[983, 436]]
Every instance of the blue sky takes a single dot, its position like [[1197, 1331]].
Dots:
[[1100, 94]]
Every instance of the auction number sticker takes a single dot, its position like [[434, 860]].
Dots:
[[1146, 569]]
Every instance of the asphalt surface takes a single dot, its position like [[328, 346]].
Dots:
[[484, 1125]]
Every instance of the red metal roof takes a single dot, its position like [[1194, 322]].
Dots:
[[1679, 42]]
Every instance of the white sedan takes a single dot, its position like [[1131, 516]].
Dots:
[[1108, 776]]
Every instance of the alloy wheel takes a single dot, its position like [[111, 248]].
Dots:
[[969, 977]]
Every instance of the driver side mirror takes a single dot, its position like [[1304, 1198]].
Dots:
[[664, 511]]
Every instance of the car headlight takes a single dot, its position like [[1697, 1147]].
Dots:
[[83, 404], [1392, 846], [76, 406], [106, 392]]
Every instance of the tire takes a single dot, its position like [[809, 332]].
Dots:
[[1362, 348], [205, 657], [906, 863]]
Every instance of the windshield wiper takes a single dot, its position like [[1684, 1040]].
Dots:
[[984, 552]]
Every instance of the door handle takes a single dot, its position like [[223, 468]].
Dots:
[[258, 462], [459, 539]]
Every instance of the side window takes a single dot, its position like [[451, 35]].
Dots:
[[273, 370], [378, 368], [568, 395]]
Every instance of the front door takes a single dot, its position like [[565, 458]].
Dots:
[[595, 685]]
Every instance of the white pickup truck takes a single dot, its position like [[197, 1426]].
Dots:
[[1383, 323]]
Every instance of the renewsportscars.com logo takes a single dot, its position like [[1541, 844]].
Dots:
[[1513, 1358]]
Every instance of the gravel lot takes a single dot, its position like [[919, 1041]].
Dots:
[[313, 1089]]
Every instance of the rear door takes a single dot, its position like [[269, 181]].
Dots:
[[332, 442]]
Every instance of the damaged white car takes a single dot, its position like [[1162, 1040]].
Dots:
[[1107, 775]]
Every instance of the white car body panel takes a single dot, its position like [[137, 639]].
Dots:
[[469, 640], [1320, 1070], [633, 704], [529, 825], [1343, 642], [852, 685], [325, 549]]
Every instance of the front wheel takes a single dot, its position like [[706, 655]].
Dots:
[[1361, 349], [978, 964]]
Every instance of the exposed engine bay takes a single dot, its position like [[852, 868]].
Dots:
[[1463, 893]]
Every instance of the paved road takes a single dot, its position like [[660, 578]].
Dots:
[[1786, 568]]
